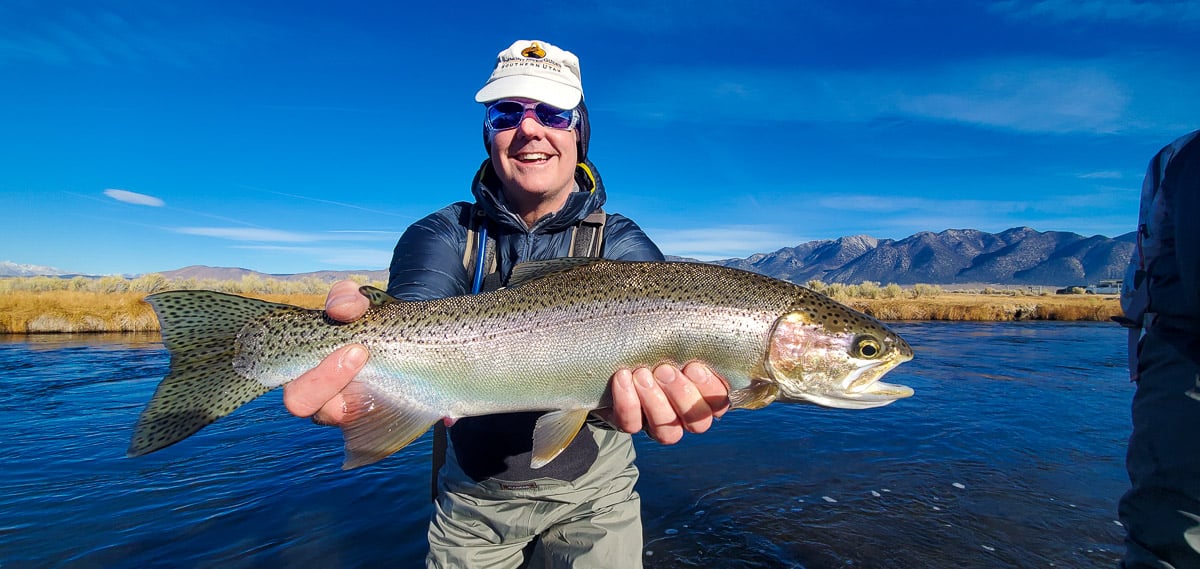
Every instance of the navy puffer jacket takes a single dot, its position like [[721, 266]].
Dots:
[[428, 263]]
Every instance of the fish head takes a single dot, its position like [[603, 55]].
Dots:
[[827, 353]]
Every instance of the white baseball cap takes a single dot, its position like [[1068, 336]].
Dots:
[[535, 70]]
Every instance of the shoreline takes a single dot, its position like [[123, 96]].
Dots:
[[68, 312]]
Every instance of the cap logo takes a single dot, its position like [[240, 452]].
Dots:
[[534, 50]]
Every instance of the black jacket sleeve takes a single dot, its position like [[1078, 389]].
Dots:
[[625, 241], [428, 260], [1186, 208]]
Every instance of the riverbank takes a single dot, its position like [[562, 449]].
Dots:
[[65, 311], [975, 307], [50, 312]]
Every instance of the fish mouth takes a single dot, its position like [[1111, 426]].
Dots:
[[862, 389]]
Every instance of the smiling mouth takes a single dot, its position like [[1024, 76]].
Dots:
[[532, 157]]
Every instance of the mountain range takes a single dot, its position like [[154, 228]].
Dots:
[[11, 269], [1018, 256]]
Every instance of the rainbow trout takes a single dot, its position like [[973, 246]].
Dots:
[[549, 342]]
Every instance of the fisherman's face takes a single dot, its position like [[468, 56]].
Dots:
[[535, 161]]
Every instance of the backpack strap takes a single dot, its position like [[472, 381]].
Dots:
[[587, 237], [479, 254]]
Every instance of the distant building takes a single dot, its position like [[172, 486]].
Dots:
[[1106, 286]]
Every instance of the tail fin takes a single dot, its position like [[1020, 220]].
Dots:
[[200, 330]]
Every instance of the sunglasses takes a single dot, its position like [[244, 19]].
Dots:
[[503, 115]]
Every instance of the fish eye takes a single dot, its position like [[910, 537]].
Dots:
[[867, 347]]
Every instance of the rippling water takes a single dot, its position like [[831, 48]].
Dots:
[[1009, 455]]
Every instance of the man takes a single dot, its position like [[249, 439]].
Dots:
[[1161, 510], [492, 509]]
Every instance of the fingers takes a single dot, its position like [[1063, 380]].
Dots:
[[696, 396], [317, 393], [345, 303], [712, 388], [667, 401], [662, 422], [626, 412]]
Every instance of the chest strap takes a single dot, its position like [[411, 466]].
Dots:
[[479, 254]]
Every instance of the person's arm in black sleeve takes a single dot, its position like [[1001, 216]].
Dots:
[[1186, 208], [428, 259], [625, 241]]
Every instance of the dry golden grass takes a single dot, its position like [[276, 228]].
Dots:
[[25, 312], [87, 311], [991, 307]]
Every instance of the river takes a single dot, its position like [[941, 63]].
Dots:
[[1009, 455]]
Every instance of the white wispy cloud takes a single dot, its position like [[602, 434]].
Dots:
[[1111, 175], [111, 34], [134, 198], [1022, 94], [1019, 95], [1097, 201], [250, 234], [1131, 11], [355, 257], [267, 235], [1106, 210], [328, 201], [721, 242], [366, 235], [867, 203]]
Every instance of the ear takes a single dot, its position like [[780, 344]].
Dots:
[[489, 138]]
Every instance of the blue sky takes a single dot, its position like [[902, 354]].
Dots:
[[297, 136]]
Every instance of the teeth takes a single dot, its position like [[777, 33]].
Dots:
[[534, 156]]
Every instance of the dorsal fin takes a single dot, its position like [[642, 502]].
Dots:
[[526, 272], [377, 297]]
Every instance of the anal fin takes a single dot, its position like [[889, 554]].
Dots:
[[376, 426], [553, 432]]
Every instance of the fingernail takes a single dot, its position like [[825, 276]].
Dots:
[[645, 380], [341, 299], [624, 380], [355, 358], [664, 374]]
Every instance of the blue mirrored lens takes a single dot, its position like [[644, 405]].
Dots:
[[552, 117], [503, 115]]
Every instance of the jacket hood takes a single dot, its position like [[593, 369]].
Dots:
[[589, 197]]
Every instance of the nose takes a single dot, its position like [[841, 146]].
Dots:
[[529, 123]]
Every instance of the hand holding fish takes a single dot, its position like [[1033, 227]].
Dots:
[[318, 392], [670, 399], [666, 401]]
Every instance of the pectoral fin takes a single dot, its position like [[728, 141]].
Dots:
[[758, 395], [553, 432], [377, 426]]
